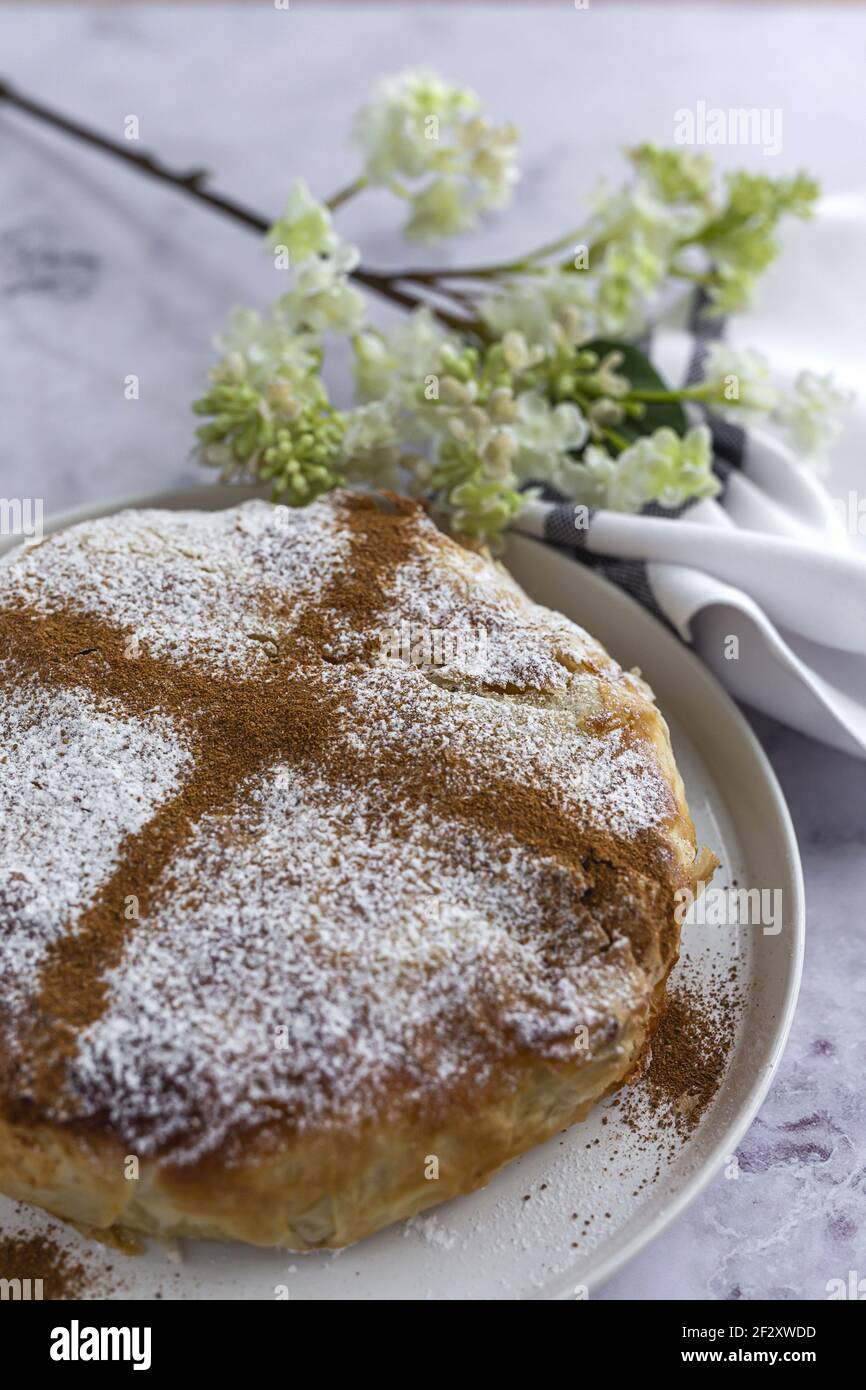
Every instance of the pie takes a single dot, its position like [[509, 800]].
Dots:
[[334, 873]]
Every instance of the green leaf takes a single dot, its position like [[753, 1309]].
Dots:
[[643, 377]]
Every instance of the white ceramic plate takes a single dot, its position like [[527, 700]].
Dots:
[[515, 1238]]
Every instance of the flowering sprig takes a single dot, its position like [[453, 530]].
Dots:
[[517, 373], [674, 221], [268, 410], [512, 377], [427, 140]]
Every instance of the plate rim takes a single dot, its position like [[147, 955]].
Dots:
[[739, 1124], [561, 1287]]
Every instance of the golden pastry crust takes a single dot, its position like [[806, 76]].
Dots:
[[345, 873]]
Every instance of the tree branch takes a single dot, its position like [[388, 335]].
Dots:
[[193, 183]]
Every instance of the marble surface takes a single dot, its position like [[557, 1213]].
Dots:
[[104, 273]]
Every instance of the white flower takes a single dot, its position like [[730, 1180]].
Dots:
[[543, 426], [470, 425], [545, 435], [548, 309], [260, 350], [743, 379], [501, 405], [374, 363], [610, 381], [635, 234], [663, 467], [369, 427], [588, 480], [371, 444], [498, 455], [489, 160], [386, 363], [305, 227], [675, 176], [603, 414], [637, 209], [322, 298], [519, 356], [424, 138], [398, 128], [440, 210], [454, 392], [811, 415], [289, 396], [631, 273], [416, 370]]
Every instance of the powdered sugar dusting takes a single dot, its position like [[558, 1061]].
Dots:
[[490, 634], [428, 1228], [598, 773], [191, 586], [327, 946], [323, 961], [74, 780]]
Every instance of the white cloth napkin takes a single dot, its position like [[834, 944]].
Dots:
[[769, 562]]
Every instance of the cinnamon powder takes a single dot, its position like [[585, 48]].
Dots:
[[38, 1258], [688, 1060], [235, 728]]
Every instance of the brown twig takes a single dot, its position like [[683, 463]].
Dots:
[[193, 183]]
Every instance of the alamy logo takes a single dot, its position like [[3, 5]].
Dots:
[[730, 907], [711, 125], [21, 516], [851, 511], [435, 646], [77, 1343], [21, 1290], [853, 1287]]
